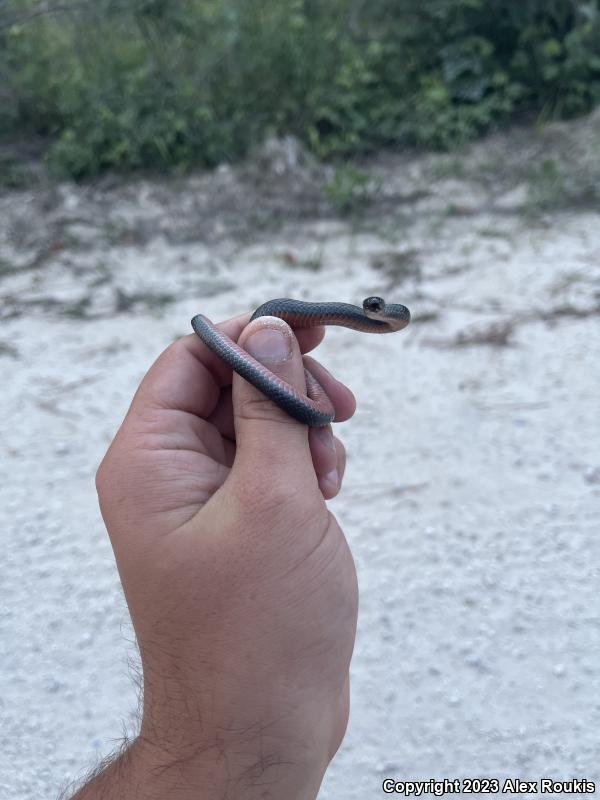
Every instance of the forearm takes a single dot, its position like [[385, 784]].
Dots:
[[214, 732]]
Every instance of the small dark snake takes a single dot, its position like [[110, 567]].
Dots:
[[315, 408]]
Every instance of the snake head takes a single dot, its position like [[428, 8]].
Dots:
[[374, 304]]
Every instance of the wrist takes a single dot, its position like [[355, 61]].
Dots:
[[236, 745], [227, 738], [241, 764]]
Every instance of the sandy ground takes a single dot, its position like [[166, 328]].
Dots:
[[472, 495]]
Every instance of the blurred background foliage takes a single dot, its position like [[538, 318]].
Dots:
[[131, 84]]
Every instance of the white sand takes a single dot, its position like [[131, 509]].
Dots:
[[472, 494]]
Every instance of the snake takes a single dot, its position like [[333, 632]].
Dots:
[[314, 408]]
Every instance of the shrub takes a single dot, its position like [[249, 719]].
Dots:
[[131, 84]]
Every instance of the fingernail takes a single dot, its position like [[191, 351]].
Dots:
[[333, 478], [326, 437], [269, 344]]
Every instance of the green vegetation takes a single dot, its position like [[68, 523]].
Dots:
[[131, 84], [12, 173], [349, 190], [556, 184], [547, 187]]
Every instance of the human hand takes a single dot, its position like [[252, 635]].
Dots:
[[240, 583]]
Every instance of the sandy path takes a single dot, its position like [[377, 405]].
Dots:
[[472, 496]]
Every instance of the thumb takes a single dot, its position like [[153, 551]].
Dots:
[[268, 440]]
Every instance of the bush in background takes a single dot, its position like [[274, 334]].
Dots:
[[130, 84]]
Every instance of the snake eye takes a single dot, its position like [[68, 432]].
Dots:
[[373, 304]]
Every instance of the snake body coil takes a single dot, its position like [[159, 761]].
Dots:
[[314, 408]]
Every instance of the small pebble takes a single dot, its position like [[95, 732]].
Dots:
[[592, 475]]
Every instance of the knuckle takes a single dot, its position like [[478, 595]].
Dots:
[[255, 407], [100, 478]]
